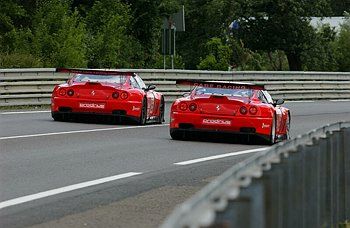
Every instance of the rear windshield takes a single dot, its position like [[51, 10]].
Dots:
[[223, 92], [117, 79]]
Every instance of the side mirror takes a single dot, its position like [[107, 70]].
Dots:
[[150, 87], [186, 94], [278, 102]]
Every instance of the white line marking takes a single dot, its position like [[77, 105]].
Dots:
[[340, 100], [80, 131], [189, 162], [26, 112], [69, 188], [300, 101]]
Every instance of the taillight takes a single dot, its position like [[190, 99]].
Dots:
[[124, 95], [70, 92], [193, 107], [243, 110], [253, 110], [115, 95], [62, 92], [183, 106]]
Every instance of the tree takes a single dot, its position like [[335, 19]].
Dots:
[[279, 25], [205, 19], [59, 35], [109, 44], [320, 56], [342, 46]]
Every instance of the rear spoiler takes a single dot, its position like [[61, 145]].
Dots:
[[222, 85], [90, 71]]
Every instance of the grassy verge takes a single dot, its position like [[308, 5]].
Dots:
[[25, 108]]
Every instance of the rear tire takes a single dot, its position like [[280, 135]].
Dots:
[[272, 139], [57, 116], [161, 111], [143, 116], [176, 134]]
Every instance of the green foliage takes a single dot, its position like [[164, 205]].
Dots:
[[204, 19], [278, 25], [320, 56], [109, 44], [58, 36], [342, 46], [159, 64], [18, 60], [218, 56]]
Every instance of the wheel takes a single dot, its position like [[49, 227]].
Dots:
[[176, 134], [143, 116], [272, 139], [57, 116], [161, 111]]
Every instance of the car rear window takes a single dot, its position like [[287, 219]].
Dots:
[[117, 79], [223, 92]]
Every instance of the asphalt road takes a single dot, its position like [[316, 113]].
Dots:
[[108, 175]]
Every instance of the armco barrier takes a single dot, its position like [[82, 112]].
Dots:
[[304, 182], [34, 86]]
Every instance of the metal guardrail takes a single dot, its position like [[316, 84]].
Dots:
[[34, 86], [304, 182]]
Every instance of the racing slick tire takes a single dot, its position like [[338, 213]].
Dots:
[[272, 139], [161, 111], [176, 134], [57, 116], [143, 116]]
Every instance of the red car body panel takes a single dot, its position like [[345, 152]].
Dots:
[[105, 98], [220, 113]]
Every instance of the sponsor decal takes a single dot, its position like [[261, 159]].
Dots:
[[216, 122], [92, 93], [218, 108], [135, 108], [265, 125], [92, 105], [223, 86]]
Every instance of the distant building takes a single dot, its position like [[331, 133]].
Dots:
[[334, 22]]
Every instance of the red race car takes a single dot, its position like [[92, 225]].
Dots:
[[239, 108], [114, 93]]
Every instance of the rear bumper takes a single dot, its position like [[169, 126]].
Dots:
[[130, 109], [196, 122]]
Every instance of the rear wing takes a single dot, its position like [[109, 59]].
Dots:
[[90, 71], [220, 84]]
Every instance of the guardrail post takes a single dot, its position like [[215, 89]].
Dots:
[[245, 211], [311, 162], [273, 193], [346, 149], [293, 191]]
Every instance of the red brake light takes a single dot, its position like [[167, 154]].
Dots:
[[193, 107], [115, 95], [124, 95], [243, 110], [183, 106], [253, 110], [62, 92], [70, 92]]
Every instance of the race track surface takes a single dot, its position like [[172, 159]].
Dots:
[[88, 174]]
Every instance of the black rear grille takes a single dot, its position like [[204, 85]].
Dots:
[[65, 109], [119, 112]]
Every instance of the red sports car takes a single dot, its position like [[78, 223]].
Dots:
[[239, 108], [114, 93]]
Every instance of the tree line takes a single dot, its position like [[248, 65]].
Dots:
[[268, 35]]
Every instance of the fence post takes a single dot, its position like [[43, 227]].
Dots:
[[346, 149]]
